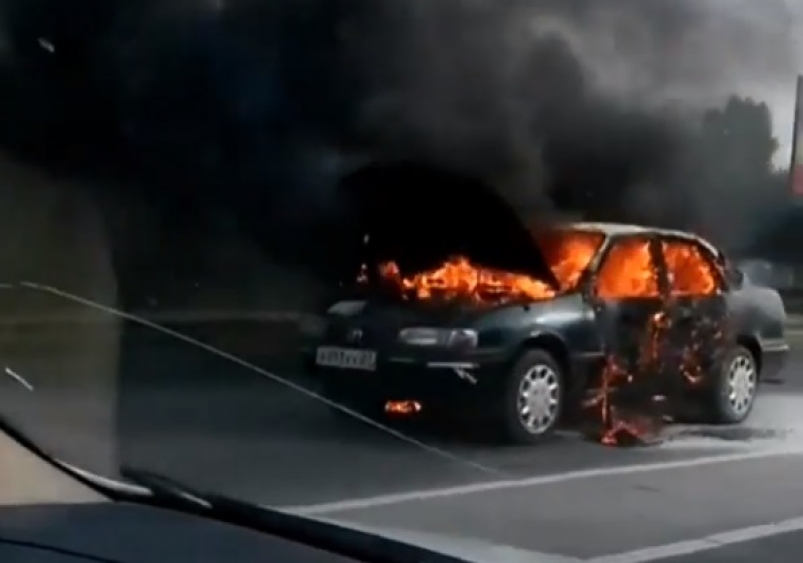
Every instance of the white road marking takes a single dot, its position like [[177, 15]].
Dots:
[[268, 375], [714, 541], [18, 378], [537, 481]]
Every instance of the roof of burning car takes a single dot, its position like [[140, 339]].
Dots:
[[623, 229], [613, 229]]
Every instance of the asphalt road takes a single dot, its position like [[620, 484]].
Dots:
[[180, 409], [781, 548]]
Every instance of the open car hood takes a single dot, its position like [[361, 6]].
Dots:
[[418, 215]]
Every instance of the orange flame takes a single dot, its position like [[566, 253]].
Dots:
[[627, 273], [567, 252], [691, 273], [458, 277], [403, 408]]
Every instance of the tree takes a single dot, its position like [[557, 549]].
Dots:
[[731, 184]]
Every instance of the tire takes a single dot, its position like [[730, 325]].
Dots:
[[537, 367], [735, 388]]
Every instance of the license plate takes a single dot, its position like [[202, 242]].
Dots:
[[346, 358]]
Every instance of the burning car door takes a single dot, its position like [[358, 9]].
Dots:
[[696, 306], [629, 299], [627, 292]]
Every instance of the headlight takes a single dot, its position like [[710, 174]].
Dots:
[[452, 337]]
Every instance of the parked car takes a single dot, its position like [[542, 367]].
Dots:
[[515, 353]]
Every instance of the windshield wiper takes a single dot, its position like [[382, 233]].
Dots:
[[163, 492], [363, 546]]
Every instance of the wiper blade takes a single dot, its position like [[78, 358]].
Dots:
[[164, 488], [97, 484], [355, 544], [164, 492]]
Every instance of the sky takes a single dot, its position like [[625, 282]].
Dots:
[[753, 48], [779, 92], [698, 50], [769, 76], [780, 96]]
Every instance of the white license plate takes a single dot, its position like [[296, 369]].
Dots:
[[346, 358]]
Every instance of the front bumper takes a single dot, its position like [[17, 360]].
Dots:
[[438, 380]]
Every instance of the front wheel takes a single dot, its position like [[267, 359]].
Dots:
[[735, 389], [533, 398]]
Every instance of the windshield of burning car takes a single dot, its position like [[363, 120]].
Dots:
[[568, 252]]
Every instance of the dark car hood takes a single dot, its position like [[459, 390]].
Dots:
[[360, 312], [418, 215], [392, 316], [466, 548]]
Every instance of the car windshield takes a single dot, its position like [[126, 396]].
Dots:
[[569, 252], [177, 255]]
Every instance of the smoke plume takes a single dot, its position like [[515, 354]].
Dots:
[[261, 105]]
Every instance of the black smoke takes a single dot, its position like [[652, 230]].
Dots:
[[259, 106]]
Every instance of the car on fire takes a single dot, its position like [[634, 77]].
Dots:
[[517, 328], [517, 352]]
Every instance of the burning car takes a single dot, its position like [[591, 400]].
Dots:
[[627, 322]]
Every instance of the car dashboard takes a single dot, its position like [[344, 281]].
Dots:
[[68, 533], [47, 517]]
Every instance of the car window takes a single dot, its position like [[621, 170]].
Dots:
[[569, 252], [627, 271], [689, 268]]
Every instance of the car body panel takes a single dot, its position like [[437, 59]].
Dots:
[[759, 315]]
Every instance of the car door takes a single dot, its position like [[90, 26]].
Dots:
[[697, 306], [628, 297]]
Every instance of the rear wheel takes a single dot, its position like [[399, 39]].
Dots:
[[734, 392], [532, 403]]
